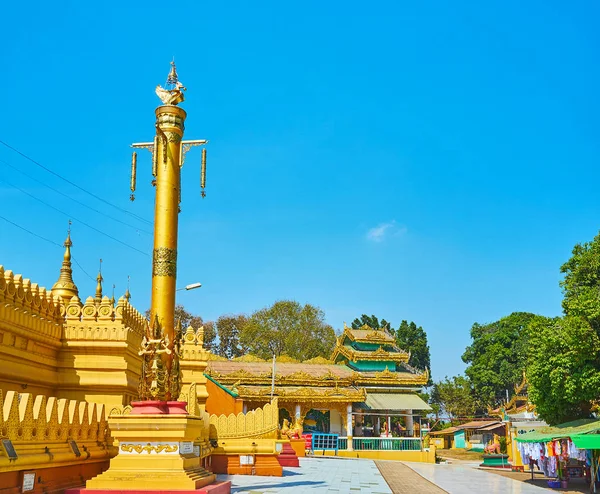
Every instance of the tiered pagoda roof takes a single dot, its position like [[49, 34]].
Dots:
[[368, 349], [344, 378]]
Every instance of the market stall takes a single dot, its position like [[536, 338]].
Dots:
[[563, 452]]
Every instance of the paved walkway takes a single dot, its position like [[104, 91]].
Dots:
[[357, 476], [465, 478], [317, 475], [404, 480]]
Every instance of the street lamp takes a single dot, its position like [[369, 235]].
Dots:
[[193, 286]]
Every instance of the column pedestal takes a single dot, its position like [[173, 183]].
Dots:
[[156, 452]]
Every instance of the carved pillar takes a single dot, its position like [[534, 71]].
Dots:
[[410, 428], [192, 366], [349, 425]]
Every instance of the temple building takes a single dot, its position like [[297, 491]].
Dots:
[[89, 351], [71, 361], [367, 377]]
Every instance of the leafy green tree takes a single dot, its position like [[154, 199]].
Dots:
[[288, 328], [411, 338], [563, 368], [497, 357], [229, 328], [189, 319], [370, 321], [455, 396], [581, 283]]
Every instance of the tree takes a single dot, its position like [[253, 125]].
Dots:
[[413, 339], [455, 396], [229, 328], [581, 284], [563, 369], [370, 321], [497, 357], [288, 328], [187, 319]]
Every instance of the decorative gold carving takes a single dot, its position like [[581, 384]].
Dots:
[[126, 410], [173, 137], [367, 334], [257, 424], [174, 94], [164, 262], [149, 448], [27, 418], [125, 322], [380, 354], [342, 378], [304, 394], [26, 297]]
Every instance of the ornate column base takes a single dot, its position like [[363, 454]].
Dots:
[[156, 452]]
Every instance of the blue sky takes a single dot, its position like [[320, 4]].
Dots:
[[429, 161]]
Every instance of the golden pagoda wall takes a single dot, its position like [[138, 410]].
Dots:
[[63, 442], [30, 335], [99, 360], [79, 351]]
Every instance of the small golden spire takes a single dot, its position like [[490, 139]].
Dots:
[[65, 287], [127, 293], [172, 77], [112, 298], [99, 279]]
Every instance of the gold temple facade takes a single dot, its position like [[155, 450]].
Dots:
[[78, 377], [53, 345]]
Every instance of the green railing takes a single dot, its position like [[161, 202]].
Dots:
[[343, 443], [387, 444]]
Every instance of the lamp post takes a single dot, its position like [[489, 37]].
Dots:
[[192, 286]]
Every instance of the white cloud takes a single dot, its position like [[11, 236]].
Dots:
[[385, 230]]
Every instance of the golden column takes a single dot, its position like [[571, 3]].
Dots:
[[161, 446], [161, 348], [169, 133]]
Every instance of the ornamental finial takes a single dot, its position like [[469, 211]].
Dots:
[[172, 93], [99, 280], [65, 287]]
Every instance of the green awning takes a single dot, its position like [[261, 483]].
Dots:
[[568, 429], [587, 441], [395, 401]]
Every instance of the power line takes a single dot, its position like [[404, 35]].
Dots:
[[84, 271], [76, 219], [30, 232], [73, 199], [74, 184]]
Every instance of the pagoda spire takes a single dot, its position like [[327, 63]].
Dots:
[[65, 288], [99, 279], [127, 292]]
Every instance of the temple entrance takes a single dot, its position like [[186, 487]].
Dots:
[[317, 421]]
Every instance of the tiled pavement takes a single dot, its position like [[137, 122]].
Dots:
[[465, 478], [317, 475], [354, 476]]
